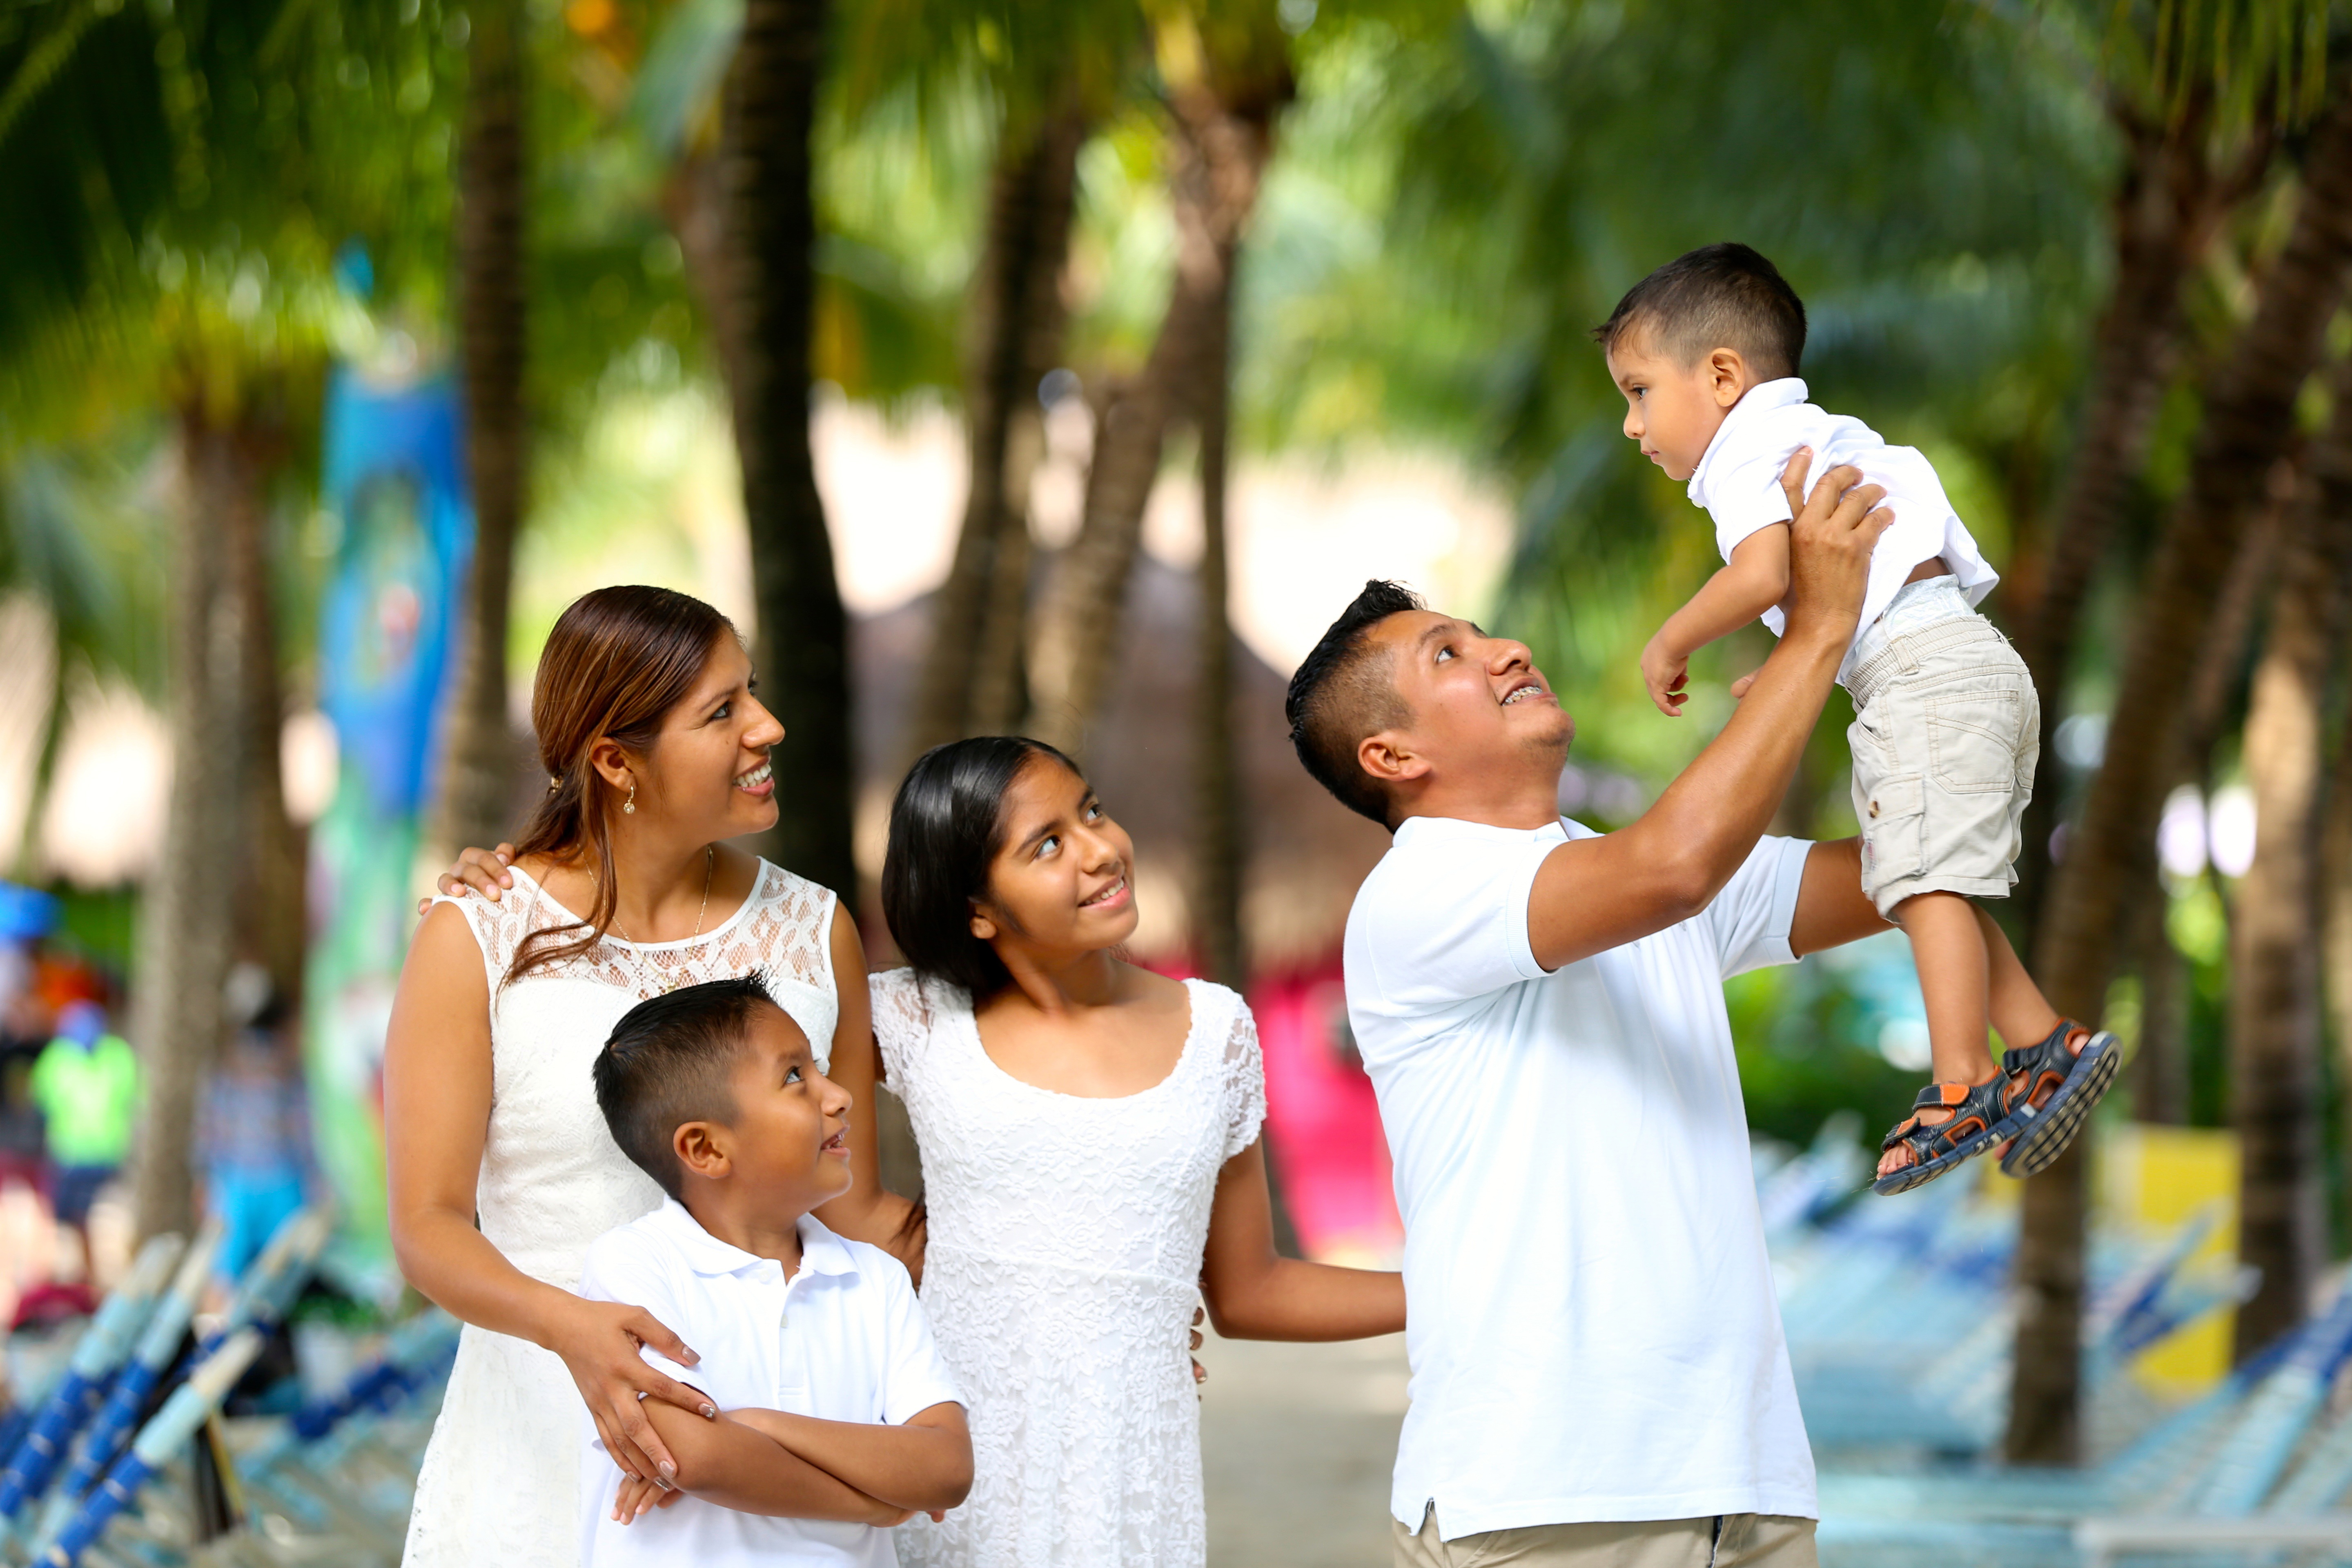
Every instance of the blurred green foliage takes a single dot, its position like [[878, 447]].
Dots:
[[1806, 1043]]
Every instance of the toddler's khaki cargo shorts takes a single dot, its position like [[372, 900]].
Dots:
[[1946, 734]]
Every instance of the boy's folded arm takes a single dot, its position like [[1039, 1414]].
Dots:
[[734, 1464], [924, 1463], [1756, 579]]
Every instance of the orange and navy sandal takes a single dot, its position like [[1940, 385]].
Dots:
[[1979, 1119], [2049, 1090]]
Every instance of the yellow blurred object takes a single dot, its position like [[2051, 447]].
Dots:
[[2157, 1179], [590, 18]]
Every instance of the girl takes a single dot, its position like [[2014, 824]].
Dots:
[[1091, 1158], [656, 749]]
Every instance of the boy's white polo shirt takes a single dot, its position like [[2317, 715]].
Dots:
[[1591, 1316], [844, 1340], [1737, 480]]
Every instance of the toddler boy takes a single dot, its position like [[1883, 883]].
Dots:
[[834, 1416], [1947, 725]]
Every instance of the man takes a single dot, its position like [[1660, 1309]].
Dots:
[[1599, 1374]]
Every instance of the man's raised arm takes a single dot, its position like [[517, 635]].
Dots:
[[1594, 894]]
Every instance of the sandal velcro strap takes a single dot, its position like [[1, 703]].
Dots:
[[1974, 1108], [2050, 1089], [1978, 1120], [2030, 1074]]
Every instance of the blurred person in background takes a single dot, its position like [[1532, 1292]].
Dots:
[[24, 1034], [253, 1139], [86, 1084]]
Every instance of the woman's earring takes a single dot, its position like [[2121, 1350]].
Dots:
[[629, 806]]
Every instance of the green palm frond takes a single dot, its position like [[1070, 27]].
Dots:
[[1033, 54], [2241, 59]]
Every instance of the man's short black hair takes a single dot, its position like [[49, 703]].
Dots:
[[1717, 297], [1343, 692], [666, 1063]]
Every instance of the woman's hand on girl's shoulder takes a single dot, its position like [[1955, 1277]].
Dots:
[[482, 872]]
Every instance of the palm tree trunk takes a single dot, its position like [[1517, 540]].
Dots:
[[2169, 204], [1221, 148], [771, 230], [694, 204], [478, 767], [1075, 636], [2274, 995], [971, 677], [184, 937], [2160, 1066], [268, 928], [2248, 421], [1217, 848], [2160, 1069], [2335, 926]]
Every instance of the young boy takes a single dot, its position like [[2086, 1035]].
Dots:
[[832, 1414], [1946, 726]]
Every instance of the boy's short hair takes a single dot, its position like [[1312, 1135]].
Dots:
[[1718, 297], [666, 1063], [1342, 693]]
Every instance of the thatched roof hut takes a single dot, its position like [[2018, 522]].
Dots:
[[1306, 852]]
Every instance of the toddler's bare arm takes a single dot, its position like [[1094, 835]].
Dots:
[[1756, 579], [924, 1464]]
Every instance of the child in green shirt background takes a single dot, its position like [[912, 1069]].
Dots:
[[86, 1084]]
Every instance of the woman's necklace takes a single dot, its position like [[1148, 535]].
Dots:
[[710, 859]]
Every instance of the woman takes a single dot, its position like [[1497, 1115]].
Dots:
[[657, 751], [1091, 1158]]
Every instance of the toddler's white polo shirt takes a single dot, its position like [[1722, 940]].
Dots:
[[844, 1340], [1737, 480]]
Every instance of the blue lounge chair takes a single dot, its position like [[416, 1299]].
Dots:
[[159, 1442], [96, 1357]]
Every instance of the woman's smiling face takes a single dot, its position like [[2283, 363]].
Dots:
[[1061, 883], [709, 771]]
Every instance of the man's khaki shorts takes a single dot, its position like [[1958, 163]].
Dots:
[[1727, 1541], [1946, 734]]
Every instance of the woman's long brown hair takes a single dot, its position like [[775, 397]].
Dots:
[[618, 660]]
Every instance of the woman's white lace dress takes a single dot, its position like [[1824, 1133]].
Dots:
[[500, 1482], [1061, 1276]]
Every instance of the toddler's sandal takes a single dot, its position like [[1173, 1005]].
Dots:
[[1978, 1120], [2049, 1091]]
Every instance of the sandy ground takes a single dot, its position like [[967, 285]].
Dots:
[[1296, 1442]]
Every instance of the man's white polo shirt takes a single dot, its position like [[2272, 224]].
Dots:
[[1590, 1317], [844, 1340]]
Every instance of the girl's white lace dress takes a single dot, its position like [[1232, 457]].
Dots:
[[500, 1482], [1061, 1275]]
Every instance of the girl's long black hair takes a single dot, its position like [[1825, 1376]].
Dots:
[[946, 826]]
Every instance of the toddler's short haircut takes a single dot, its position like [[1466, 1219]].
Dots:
[[1342, 693], [1717, 297], [666, 1063]]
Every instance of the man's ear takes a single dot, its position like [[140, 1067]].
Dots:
[[1726, 376], [1389, 757], [701, 1149]]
